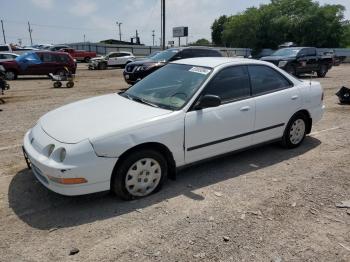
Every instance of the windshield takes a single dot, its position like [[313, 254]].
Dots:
[[170, 87], [286, 52], [165, 55]]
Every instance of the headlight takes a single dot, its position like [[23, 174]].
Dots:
[[282, 63], [62, 154], [50, 149]]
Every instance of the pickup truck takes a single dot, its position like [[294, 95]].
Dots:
[[79, 55], [301, 60]]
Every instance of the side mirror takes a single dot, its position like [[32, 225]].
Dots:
[[207, 101]]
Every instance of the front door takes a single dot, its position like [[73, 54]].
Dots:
[[213, 131]]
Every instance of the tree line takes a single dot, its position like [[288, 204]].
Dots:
[[304, 22]]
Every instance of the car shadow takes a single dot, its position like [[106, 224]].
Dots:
[[43, 209]]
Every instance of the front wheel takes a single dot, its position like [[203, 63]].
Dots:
[[323, 71], [295, 131], [140, 174]]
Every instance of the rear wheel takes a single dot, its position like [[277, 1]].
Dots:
[[70, 84], [140, 174], [10, 75], [295, 131], [322, 71]]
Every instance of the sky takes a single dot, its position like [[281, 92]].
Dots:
[[67, 21]]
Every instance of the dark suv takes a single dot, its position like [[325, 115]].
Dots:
[[137, 70], [39, 63]]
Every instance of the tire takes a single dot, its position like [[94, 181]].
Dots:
[[102, 66], [87, 59], [131, 180], [323, 71], [295, 131], [57, 84], [70, 84], [10, 75], [291, 70]]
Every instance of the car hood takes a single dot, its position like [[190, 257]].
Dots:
[[277, 58], [146, 62], [97, 58], [96, 117]]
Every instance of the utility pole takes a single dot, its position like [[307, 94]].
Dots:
[[3, 31], [30, 33], [137, 38], [120, 31], [153, 35], [84, 38], [163, 23]]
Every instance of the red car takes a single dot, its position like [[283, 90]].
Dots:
[[39, 63], [79, 55]]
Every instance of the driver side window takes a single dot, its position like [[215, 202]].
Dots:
[[230, 84]]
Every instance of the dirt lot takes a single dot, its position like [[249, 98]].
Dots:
[[266, 204]]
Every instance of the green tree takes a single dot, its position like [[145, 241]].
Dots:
[[217, 29], [202, 42], [302, 21]]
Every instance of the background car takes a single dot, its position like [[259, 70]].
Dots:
[[301, 60], [111, 59], [137, 70], [39, 63], [7, 57]]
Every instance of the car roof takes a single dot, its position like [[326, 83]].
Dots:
[[7, 53], [216, 61]]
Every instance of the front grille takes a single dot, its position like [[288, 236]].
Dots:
[[273, 62], [129, 68]]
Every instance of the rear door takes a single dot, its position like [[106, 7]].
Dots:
[[276, 100], [217, 130]]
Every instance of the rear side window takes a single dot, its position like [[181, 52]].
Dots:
[[61, 58], [186, 53], [4, 48], [265, 79], [230, 84]]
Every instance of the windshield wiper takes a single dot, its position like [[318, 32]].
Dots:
[[141, 100]]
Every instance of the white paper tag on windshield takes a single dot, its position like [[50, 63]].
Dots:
[[200, 70]]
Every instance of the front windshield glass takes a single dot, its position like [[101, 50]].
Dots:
[[165, 55], [286, 52], [170, 87]]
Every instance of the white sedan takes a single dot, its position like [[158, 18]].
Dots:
[[187, 111], [7, 57]]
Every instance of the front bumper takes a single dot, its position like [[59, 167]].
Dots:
[[81, 162]]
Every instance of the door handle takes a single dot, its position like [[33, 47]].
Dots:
[[295, 97], [245, 108]]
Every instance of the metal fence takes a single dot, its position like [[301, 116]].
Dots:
[[138, 50]]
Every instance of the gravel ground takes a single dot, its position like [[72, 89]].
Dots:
[[265, 204]]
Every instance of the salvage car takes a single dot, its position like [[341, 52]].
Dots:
[[137, 70], [301, 60], [39, 63], [189, 110], [111, 59]]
